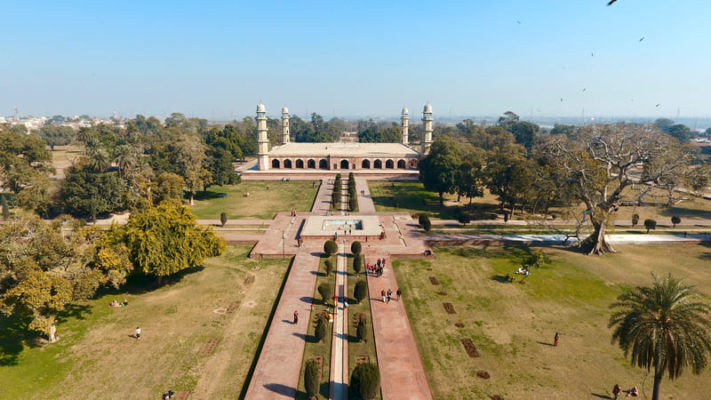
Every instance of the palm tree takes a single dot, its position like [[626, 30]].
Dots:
[[663, 326]]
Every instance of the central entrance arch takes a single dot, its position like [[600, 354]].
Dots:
[[365, 164], [344, 164]]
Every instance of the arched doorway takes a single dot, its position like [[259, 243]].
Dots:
[[287, 164], [365, 164], [275, 163], [311, 164], [401, 164], [322, 163], [413, 164], [299, 163], [344, 164], [378, 164], [389, 164]]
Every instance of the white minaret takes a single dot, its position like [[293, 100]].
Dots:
[[285, 126], [404, 123], [262, 139], [427, 124]]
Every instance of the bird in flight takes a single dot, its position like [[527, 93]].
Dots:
[[611, 2], [518, 22], [658, 105], [584, 89], [561, 99], [592, 54], [641, 39]]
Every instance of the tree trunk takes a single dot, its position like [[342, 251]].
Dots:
[[192, 196], [657, 384], [52, 334], [671, 198], [441, 198], [597, 241]]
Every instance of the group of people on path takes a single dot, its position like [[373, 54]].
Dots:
[[375, 269], [389, 294], [634, 392]]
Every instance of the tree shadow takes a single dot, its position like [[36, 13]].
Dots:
[[282, 389], [501, 279], [14, 336], [308, 299], [206, 195], [306, 338], [141, 283], [72, 311], [601, 396]]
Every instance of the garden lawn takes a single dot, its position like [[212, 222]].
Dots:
[[97, 357], [266, 199], [512, 325], [313, 349]]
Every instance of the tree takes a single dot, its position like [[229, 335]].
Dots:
[[325, 291], [664, 327], [360, 291], [365, 380], [600, 164], [356, 247], [330, 248], [422, 219], [312, 380], [46, 268], [525, 133], [357, 263], [56, 135], [509, 176], [361, 331], [85, 192], [681, 132], [24, 160], [438, 169], [635, 219], [328, 266], [321, 329], [464, 218], [190, 157], [5, 208], [470, 177], [676, 220], [223, 218], [650, 224], [508, 120], [169, 186], [164, 240]]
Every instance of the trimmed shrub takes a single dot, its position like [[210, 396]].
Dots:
[[427, 225], [422, 218], [360, 291], [321, 330], [330, 248], [650, 224], [223, 219], [365, 380], [356, 247], [357, 263], [328, 266], [361, 333], [464, 219], [352, 203], [325, 291], [312, 380], [635, 219], [676, 220]]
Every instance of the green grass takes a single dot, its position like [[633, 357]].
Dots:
[[312, 348], [96, 358], [512, 324], [266, 199]]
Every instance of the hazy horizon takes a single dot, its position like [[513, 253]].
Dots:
[[637, 59]]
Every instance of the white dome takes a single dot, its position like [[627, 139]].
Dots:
[[428, 108], [284, 110], [261, 108], [404, 111]]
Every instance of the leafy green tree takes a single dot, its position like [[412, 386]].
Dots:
[[321, 329], [664, 124], [525, 133], [509, 175], [470, 177], [681, 132], [676, 220], [365, 380], [650, 224], [56, 135], [357, 263], [356, 247], [664, 327], [223, 218], [361, 331], [561, 129], [438, 171], [328, 266], [508, 120], [330, 248], [635, 219], [312, 380], [23, 158], [46, 268], [360, 291], [165, 239], [85, 191], [325, 290], [169, 186], [190, 157]]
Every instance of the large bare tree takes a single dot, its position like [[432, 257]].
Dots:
[[598, 164]]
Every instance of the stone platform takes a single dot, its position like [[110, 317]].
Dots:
[[353, 227]]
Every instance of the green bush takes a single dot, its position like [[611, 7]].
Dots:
[[312, 380], [223, 218], [325, 291], [321, 330], [676, 220], [328, 266], [422, 218], [356, 247], [357, 263], [365, 380], [635, 219], [330, 248], [360, 291], [464, 219], [650, 224], [361, 332], [353, 203], [427, 225]]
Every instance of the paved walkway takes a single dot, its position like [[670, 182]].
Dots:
[[365, 201], [277, 372], [401, 373], [560, 239], [323, 198], [339, 344]]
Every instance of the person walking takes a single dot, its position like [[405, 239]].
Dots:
[[138, 333], [398, 293], [390, 293], [616, 391], [555, 339], [296, 317], [382, 294]]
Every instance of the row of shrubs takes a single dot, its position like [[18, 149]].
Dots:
[[365, 380], [352, 196], [336, 195]]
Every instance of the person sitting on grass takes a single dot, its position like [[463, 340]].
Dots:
[[114, 304], [520, 271], [509, 278], [633, 392]]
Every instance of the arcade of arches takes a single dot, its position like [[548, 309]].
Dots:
[[323, 163]]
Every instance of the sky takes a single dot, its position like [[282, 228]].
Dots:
[[218, 60]]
